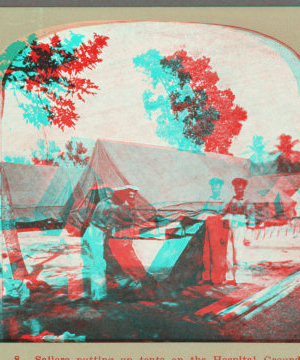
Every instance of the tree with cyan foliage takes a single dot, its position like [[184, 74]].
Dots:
[[192, 112], [45, 77], [288, 160], [260, 162], [46, 153], [12, 51], [75, 154], [17, 159]]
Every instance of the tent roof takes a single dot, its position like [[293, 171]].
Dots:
[[272, 195], [163, 174], [32, 185], [265, 183], [28, 183], [61, 186], [283, 184]]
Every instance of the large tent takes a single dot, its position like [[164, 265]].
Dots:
[[58, 192], [172, 184], [165, 177]]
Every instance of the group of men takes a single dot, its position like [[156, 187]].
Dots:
[[116, 213]]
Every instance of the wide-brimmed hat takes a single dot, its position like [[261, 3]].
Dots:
[[126, 188], [113, 188], [103, 187]]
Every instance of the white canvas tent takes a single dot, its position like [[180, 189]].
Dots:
[[279, 198]]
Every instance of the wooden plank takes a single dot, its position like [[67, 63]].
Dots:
[[263, 297]]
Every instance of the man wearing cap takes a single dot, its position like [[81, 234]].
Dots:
[[215, 201], [214, 251], [110, 217], [236, 214], [237, 204]]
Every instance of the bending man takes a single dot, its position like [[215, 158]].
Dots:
[[112, 216]]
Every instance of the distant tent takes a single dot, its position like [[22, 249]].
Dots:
[[58, 193], [280, 202], [294, 180], [296, 198], [263, 184], [28, 184], [262, 168], [38, 192], [284, 185], [52, 211], [258, 209]]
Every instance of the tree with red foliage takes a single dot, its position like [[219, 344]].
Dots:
[[231, 116], [75, 155], [194, 106], [289, 159], [46, 74]]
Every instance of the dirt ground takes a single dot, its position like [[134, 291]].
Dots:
[[172, 314]]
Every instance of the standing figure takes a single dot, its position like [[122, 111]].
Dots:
[[236, 217], [111, 216], [215, 201], [214, 249]]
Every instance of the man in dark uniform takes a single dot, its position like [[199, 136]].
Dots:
[[214, 249]]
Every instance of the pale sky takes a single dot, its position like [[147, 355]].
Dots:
[[262, 77]]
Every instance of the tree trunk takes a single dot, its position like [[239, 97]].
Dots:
[[46, 143]]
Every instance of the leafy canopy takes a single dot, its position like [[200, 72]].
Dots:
[[47, 74], [189, 108]]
